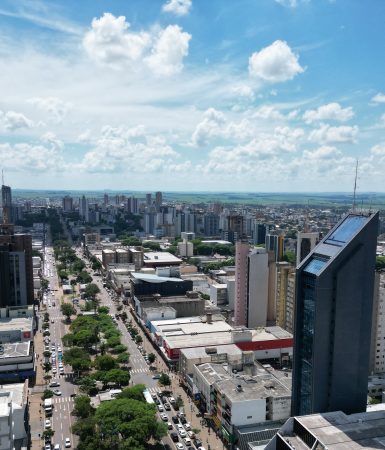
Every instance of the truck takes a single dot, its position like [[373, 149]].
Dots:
[[48, 406]]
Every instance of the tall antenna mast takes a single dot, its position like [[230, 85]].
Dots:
[[355, 188]]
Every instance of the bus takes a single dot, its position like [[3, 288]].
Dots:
[[148, 397]]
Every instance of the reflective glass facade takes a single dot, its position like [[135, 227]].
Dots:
[[306, 323]]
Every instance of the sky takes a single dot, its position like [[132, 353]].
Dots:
[[193, 95]]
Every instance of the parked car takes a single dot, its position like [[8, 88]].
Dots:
[[174, 436], [175, 419], [167, 407], [164, 417]]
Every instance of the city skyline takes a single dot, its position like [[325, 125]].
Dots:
[[186, 95]]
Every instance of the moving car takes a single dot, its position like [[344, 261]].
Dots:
[[54, 384], [67, 443], [57, 392]]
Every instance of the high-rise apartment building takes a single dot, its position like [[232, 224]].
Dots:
[[6, 203], [84, 209], [333, 318], [148, 200], [67, 203], [251, 285], [305, 244], [158, 200], [211, 224], [16, 271], [274, 243], [285, 295]]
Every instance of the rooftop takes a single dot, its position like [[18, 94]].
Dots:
[[15, 350], [151, 278], [338, 431], [161, 257], [200, 352], [242, 386], [16, 323]]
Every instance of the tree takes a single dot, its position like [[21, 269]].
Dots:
[[123, 316], [380, 262], [123, 358], [88, 385], [91, 290], [118, 376], [77, 358], [67, 310], [164, 380], [44, 284], [178, 403], [151, 358], [119, 349], [48, 434], [105, 362], [84, 277], [47, 394], [103, 310], [138, 339], [96, 265], [47, 366], [78, 265], [82, 407], [134, 392]]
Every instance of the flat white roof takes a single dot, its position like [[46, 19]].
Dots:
[[160, 257], [151, 278]]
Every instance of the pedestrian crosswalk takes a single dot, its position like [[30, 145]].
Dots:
[[154, 390], [145, 370], [58, 400]]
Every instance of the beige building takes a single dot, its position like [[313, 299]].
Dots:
[[285, 295]]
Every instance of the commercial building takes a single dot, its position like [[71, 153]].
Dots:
[[271, 344], [377, 353], [218, 294], [332, 431], [181, 306], [333, 318], [16, 329], [185, 249], [13, 416], [16, 269], [251, 285], [235, 399], [145, 284], [17, 362], [159, 259]]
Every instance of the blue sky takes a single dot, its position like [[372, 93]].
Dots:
[[266, 95]]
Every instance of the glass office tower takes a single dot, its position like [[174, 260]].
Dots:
[[333, 314]]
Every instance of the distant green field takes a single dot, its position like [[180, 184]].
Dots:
[[371, 200]]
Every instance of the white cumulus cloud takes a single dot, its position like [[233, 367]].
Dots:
[[12, 121], [55, 107], [326, 134], [110, 41], [378, 149], [378, 98], [275, 63], [323, 152], [331, 111], [177, 7], [169, 49], [210, 126]]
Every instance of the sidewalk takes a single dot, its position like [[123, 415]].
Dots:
[[36, 413], [206, 435]]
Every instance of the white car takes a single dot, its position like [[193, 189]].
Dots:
[[160, 408], [187, 441], [67, 443], [187, 426], [57, 447], [47, 423], [171, 400], [54, 384], [164, 417], [179, 446], [182, 433], [54, 370], [57, 392]]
